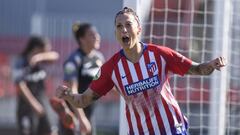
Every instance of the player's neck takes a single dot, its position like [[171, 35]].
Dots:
[[86, 50], [134, 53]]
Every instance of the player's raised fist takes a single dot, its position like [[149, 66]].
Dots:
[[62, 91], [218, 63]]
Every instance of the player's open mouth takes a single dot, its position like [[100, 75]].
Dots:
[[125, 39]]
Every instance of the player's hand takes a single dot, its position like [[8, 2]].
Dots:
[[63, 91], [85, 126], [218, 63]]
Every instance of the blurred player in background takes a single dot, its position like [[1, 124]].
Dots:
[[29, 79], [141, 71], [79, 70]]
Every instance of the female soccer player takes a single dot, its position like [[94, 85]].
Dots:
[[140, 71], [79, 70], [29, 77]]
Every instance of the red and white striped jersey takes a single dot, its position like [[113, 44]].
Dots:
[[151, 108]]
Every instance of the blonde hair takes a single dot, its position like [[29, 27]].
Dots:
[[79, 30]]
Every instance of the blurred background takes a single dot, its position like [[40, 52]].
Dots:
[[53, 19], [199, 29]]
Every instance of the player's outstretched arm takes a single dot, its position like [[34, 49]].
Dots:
[[49, 56], [77, 100], [208, 67]]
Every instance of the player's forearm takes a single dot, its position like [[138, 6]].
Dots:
[[81, 115], [201, 69], [28, 95], [45, 56], [51, 56], [77, 100]]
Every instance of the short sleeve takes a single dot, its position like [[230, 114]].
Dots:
[[70, 71], [102, 82], [176, 62], [19, 70]]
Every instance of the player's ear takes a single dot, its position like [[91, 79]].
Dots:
[[81, 40]]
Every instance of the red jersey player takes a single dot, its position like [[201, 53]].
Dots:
[[140, 72]]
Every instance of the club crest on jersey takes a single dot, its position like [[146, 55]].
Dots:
[[97, 76], [152, 67], [142, 85]]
